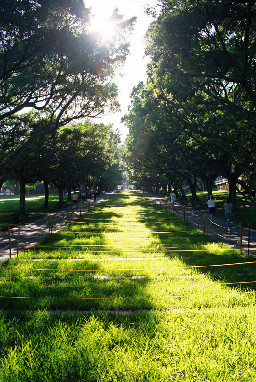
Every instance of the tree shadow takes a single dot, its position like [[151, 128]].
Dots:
[[119, 322], [50, 277], [67, 295], [195, 249]]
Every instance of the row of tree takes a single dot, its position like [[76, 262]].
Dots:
[[82, 155], [51, 63], [195, 117]]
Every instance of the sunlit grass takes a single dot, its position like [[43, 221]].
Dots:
[[128, 293], [33, 203], [9, 207]]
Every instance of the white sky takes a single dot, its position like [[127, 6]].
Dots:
[[134, 69]]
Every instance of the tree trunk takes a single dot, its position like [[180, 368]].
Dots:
[[232, 180], [192, 186], [175, 189], [69, 194], [1, 182], [183, 195], [209, 186], [60, 197], [46, 195], [22, 208]]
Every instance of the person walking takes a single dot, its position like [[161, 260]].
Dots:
[[228, 210], [75, 197], [172, 197], [212, 207]]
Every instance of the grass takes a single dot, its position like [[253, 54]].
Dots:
[[34, 203], [112, 297], [9, 207]]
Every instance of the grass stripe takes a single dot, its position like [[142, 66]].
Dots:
[[187, 315]]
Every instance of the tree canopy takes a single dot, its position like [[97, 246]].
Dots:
[[51, 61], [210, 46], [201, 81], [76, 156]]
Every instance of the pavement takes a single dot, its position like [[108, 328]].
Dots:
[[235, 235], [33, 233]]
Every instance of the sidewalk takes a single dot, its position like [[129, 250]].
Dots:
[[34, 232], [218, 231]]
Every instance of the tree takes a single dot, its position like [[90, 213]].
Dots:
[[79, 155], [152, 143], [211, 44], [18, 134], [114, 171], [49, 61], [202, 66], [73, 155]]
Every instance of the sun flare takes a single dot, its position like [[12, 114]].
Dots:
[[103, 26]]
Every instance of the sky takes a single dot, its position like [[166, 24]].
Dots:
[[134, 70]]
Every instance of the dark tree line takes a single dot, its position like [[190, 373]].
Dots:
[[83, 155], [197, 110]]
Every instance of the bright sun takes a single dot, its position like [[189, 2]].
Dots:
[[103, 26]]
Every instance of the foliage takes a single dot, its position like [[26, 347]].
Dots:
[[82, 153], [202, 72], [159, 151], [114, 173], [50, 61], [74, 155], [53, 64], [210, 46]]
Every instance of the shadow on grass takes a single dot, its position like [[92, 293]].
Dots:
[[50, 278], [192, 239], [133, 347]]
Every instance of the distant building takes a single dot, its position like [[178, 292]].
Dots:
[[222, 184], [125, 187]]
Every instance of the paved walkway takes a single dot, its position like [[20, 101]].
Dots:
[[218, 231], [34, 232]]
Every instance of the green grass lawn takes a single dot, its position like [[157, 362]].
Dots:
[[128, 293], [34, 203], [9, 207]]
